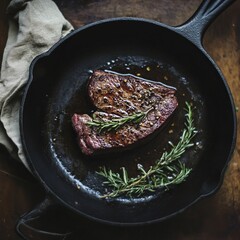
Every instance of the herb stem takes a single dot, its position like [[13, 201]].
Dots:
[[116, 123], [167, 170]]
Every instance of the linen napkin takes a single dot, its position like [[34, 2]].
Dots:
[[34, 26]]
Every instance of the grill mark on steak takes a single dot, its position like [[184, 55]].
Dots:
[[120, 95]]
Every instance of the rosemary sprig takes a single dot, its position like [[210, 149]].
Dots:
[[115, 123], [168, 170]]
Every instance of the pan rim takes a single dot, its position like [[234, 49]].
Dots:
[[140, 20]]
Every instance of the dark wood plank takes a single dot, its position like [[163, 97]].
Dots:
[[3, 26], [86, 11]]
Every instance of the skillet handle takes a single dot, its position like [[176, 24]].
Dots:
[[195, 27], [28, 232]]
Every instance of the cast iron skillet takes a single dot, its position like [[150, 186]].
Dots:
[[57, 89]]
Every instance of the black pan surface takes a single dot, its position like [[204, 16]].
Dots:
[[57, 90]]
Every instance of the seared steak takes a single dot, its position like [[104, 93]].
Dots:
[[117, 96]]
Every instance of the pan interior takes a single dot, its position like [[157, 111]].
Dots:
[[58, 90]]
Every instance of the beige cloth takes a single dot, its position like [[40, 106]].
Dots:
[[34, 26]]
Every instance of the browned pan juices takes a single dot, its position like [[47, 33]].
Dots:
[[81, 170]]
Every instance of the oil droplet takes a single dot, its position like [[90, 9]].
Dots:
[[199, 144]]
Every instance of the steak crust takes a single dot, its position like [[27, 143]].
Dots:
[[120, 95]]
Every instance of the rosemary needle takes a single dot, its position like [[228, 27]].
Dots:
[[167, 170]]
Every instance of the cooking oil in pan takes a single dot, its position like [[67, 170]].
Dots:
[[83, 169]]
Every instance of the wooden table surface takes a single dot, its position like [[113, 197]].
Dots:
[[216, 217]]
